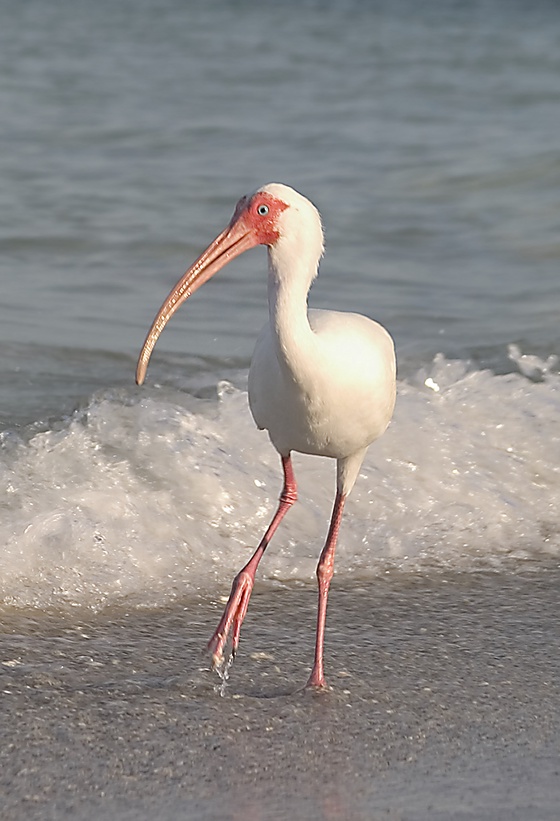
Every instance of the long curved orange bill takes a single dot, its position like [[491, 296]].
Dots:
[[232, 242]]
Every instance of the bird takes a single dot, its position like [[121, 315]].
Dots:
[[320, 382]]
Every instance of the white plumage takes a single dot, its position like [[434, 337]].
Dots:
[[331, 394], [321, 382]]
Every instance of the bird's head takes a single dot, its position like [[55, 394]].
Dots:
[[277, 213], [275, 216]]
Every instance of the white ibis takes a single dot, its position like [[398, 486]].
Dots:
[[321, 382]]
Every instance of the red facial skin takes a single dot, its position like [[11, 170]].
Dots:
[[262, 226]]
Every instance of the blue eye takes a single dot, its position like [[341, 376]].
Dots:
[[262, 210]]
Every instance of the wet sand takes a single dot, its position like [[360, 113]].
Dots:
[[444, 703]]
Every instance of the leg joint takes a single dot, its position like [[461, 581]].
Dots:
[[325, 568], [288, 495]]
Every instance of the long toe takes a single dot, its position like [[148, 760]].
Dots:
[[232, 619]]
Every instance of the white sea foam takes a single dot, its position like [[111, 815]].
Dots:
[[147, 496]]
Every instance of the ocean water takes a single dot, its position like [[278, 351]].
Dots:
[[427, 136]]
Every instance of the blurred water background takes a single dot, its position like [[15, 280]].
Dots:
[[426, 134]]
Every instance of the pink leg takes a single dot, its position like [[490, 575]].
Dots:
[[325, 570], [242, 586]]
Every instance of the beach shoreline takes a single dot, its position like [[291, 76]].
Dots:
[[443, 704]]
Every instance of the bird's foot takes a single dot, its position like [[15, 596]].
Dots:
[[317, 687], [230, 623], [317, 680]]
